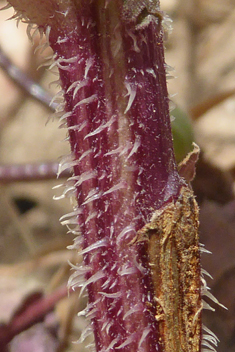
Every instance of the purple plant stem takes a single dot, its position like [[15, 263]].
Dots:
[[116, 102], [126, 149], [30, 315], [30, 172], [26, 83]]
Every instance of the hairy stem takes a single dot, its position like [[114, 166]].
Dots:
[[111, 62]]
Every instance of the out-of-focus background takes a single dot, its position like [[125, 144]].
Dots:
[[33, 255]]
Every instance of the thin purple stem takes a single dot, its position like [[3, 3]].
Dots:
[[30, 172], [26, 83]]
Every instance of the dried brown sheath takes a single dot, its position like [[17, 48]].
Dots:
[[174, 258]]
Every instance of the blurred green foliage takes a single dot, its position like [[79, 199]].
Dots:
[[183, 135]]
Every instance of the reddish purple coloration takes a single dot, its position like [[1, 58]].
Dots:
[[30, 172], [32, 311], [27, 84], [124, 169]]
